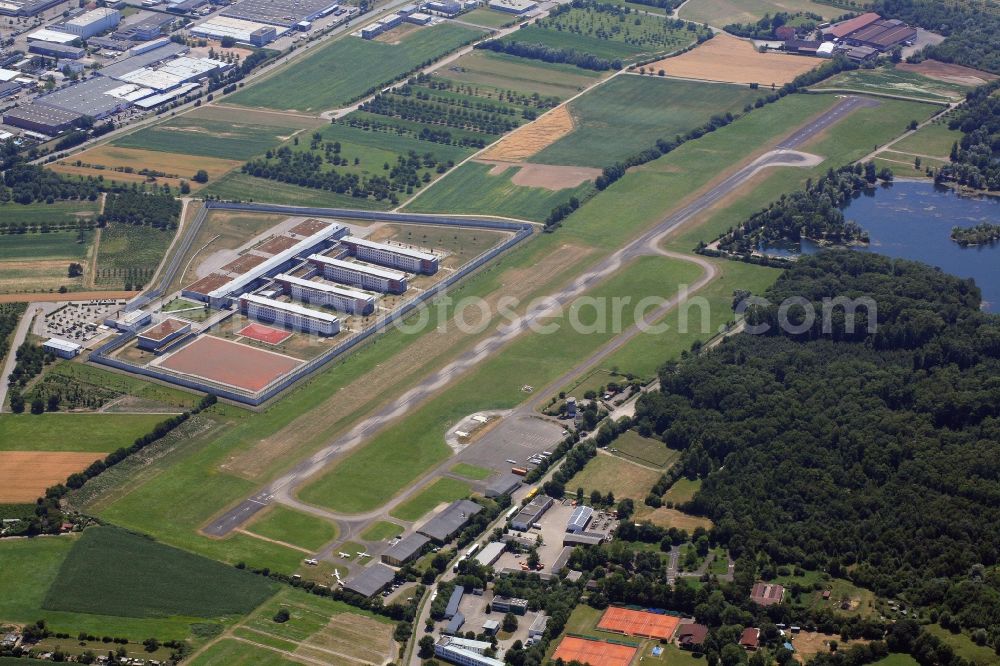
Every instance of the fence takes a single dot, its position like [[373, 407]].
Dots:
[[102, 354]]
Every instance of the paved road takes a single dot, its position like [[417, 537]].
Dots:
[[282, 489], [20, 333]]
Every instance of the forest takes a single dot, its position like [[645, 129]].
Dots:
[[28, 183], [549, 54], [871, 454], [137, 207], [972, 29], [973, 159], [814, 213]]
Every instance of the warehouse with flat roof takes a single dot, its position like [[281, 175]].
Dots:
[[371, 581], [87, 98], [448, 523], [284, 13], [41, 118], [405, 550], [92, 23]]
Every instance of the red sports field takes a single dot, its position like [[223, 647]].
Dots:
[[266, 334], [229, 363], [638, 623], [595, 653]]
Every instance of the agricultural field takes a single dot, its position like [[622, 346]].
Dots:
[[232, 652], [889, 80], [489, 18], [128, 255], [618, 35], [121, 164], [73, 432], [643, 450], [507, 72], [963, 645], [442, 490], [346, 69], [290, 526], [36, 261], [608, 473], [719, 13], [637, 111], [24, 475], [57, 212], [729, 59], [238, 186], [473, 189]]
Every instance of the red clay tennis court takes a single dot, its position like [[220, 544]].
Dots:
[[265, 334], [231, 363], [595, 653], [638, 623]]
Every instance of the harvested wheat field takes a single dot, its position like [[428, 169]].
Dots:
[[111, 161], [810, 643], [547, 176], [933, 69], [527, 140], [350, 638], [24, 475], [728, 59]]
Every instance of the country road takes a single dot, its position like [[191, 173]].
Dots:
[[282, 489]]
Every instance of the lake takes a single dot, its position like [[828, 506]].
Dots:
[[913, 220]]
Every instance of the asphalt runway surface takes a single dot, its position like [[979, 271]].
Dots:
[[281, 489]]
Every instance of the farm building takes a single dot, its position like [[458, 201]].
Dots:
[[41, 118], [872, 31], [861, 54], [465, 652], [406, 549], [505, 485], [62, 348], [359, 275], [502, 604], [490, 553], [92, 23], [158, 336], [767, 594], [321, 293], [448, 523], [371, 581], [513, 6], [290, 315], [579, 519], [531, 513], [844, 28], [691, 636], [801, 46]]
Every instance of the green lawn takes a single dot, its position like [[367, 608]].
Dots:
[[36, 213], [471, 189], [129, 254], [294, 527], [116, 572], [607, 473], [507, 72], [347, 68], [191, 135], [633, 446], [489, 18], [230, 652], [897, 659], [471, 471], [73, 432], [682, 491], [369, 476], [638, 110], [720, 13], [443, 490], [241, 187], [933, 139], [963, 645], [375, 148], [52, 245], [381, 531], [891, 81]]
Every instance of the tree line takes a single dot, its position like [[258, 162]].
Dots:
[[973, 158], [162, 211]]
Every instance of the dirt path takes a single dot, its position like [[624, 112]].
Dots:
[[274, 541]]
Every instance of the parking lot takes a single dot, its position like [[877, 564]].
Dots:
[[80, 322], [517, 437]]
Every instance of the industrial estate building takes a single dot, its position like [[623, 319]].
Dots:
[[531, 512], [393, 256], [42, 119], [513, 6], [92, 23], [360, 275], [442, 527], [62, 348], [405, 550], [370, 581], [579, 519], [465, 652]]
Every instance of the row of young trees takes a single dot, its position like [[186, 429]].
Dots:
[[412, 108], [158, 210]]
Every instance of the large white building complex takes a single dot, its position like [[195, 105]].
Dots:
[[360, 275], [321, 293], [291, 315], [465, 652], [393, 256]]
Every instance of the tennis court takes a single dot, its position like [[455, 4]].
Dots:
[[638, 623], [595, 653], [265, 334]]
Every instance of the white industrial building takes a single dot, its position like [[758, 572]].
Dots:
[[393, 256], [513, 6], [465, 652], [360, 275], [62, 348], [51, 35], [490, 553], [243, 31], [289, 315], [92, 23], [579, 519], [321, 293]]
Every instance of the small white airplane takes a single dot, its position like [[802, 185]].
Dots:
[[337, 575], [312, 562], [362, 553], [344, 555]]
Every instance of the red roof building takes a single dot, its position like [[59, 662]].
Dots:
[[767, 594], [691, 636], [750, 638], [844, 28]]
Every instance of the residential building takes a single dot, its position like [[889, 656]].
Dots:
[[691, 636], [329, 295], [750, 639]]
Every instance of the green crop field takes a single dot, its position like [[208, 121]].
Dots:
[[489, 18], [294, 527], [241, 187], [897, 659], [720, 13], [611, 35], [617, 475], [890, 81], [471, 189], [73, 432], [55, 212], [522, 74], [471, 471], [443, 490], [347, 68], [637, 111], [374, 148], [231, 652], [53, 245], [381, 531], [129, 254], [115, 572], [633, 446], [190, 135]]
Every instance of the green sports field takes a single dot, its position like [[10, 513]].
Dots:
[[73, 432], [347, 68], [191, 135], [471, 189], [638, 110], [294, 527], [442, 490]]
